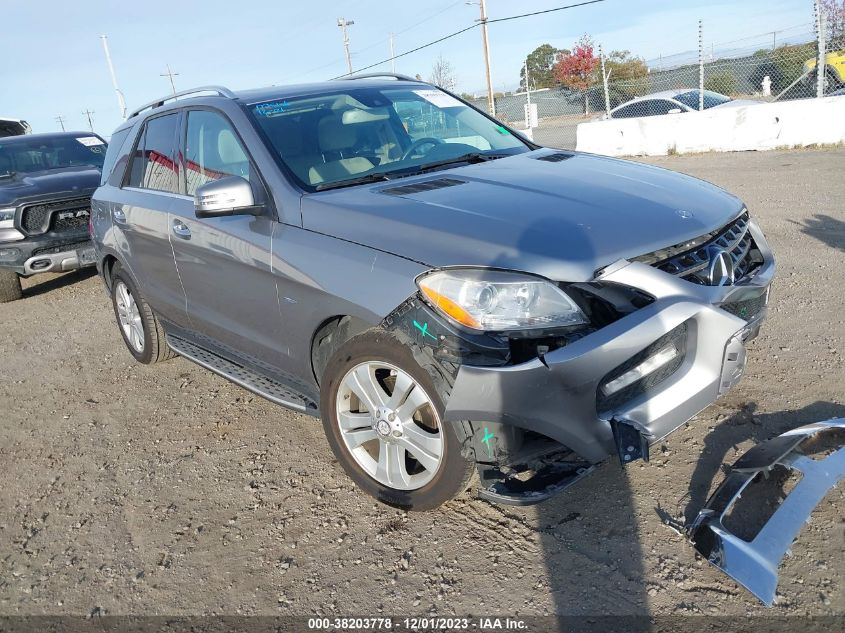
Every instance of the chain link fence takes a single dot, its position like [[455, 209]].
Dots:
[[673, 85]]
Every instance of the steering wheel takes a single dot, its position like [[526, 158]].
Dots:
[[421, 142]]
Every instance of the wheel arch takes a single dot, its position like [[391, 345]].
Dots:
[[107, 264], [329, 336]]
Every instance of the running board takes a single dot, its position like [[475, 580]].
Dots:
[[260, 384]]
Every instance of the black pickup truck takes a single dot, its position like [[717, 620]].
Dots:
[[46, 182]]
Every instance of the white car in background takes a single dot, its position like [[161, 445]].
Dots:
[[674, 102], [14, 127]]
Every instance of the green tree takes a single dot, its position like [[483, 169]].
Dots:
[[622, 66], [723, 82], [540, 63], [627, 77]]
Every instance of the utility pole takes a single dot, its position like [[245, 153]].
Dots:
[[121, 102], [343, 23], [700, 66], [88, 113], [491, 103], [392, 56], [170, 74], [61, 121], [604, 78]]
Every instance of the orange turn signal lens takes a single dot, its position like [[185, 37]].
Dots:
[[450, 308]]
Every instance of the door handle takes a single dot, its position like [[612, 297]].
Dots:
[[181, 229], [119, 216]]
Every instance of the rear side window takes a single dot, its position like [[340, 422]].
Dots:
[[113, 151], [153, 165], [638, 108], [212, 150], [661, 106]]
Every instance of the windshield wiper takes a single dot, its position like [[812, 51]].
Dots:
[[360, 180], [7, 174], [471, 158]]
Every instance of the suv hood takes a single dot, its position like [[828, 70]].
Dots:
[[562, 220], [47, 184]]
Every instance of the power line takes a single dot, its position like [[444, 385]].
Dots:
[[412, 27], [528, 15], [469, 28], [380, 42]]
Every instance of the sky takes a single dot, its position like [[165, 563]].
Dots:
[[53, 62]]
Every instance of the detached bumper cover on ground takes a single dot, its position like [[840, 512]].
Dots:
[[753, 563]]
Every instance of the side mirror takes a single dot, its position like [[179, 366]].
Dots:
[[674, 111], [231, 195]]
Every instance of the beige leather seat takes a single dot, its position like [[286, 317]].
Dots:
[[335, 140], [290, 145]]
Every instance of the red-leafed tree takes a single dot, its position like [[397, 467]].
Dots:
[[577, 69]]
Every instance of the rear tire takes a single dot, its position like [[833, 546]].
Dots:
[[10, 286], [140, 328], [402, 453]]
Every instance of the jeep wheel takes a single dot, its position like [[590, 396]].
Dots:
[[10, 286], [382, 414], [139, 326]]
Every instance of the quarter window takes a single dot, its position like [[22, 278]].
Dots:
[[212, 150], [153, 164]]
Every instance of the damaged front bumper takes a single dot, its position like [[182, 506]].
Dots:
[[817, 453], [561, 395]]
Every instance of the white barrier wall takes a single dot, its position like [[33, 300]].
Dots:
[[755, 127]]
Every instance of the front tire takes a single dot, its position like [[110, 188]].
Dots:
[[141, 330], [10, 286], [382, 413]]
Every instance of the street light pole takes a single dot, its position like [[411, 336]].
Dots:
[[343, 23], [61, 121], [121, 102], [392, 56]]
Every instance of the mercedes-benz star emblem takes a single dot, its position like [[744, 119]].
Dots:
[[686, 215], [721, 271]]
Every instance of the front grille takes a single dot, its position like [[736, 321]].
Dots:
[[42, 217], [676, 337], [693, 260], [746, 309]]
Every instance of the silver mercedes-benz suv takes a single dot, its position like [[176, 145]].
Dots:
[[447, 296]]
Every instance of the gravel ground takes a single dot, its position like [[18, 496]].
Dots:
[[167, 490]]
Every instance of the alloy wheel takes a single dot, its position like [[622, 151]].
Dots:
[[129, 316], [389, 425]]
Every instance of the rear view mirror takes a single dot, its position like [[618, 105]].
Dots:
[[231, 195]]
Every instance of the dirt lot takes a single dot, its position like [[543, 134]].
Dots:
[[167, 490]]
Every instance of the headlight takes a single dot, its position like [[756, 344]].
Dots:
[[7, 218], [493, 300]]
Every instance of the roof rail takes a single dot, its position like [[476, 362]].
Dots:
[[220, 90], [396, 76]]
